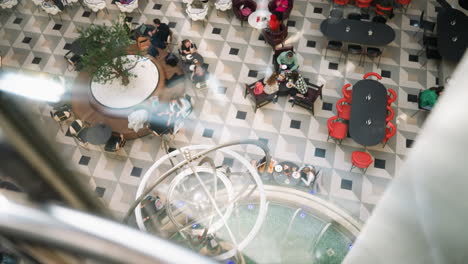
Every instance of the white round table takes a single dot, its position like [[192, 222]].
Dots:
[[114, 95], [263, 19]]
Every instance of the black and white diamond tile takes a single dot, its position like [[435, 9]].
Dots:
[[237, 55]]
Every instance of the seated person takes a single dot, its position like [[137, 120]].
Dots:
[[289, 59], [308, 175], [198, 73], [297, 84], [429, 97], [188, 47], [150, 206], [161, 120], [274, 24], [180, 106], [153, 51], [271, 84], [160, 34], [281, 6], [56, 3], [282, 77]]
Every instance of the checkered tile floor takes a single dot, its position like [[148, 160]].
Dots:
[[30, 41]]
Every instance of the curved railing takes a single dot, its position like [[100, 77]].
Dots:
[[86, 235]]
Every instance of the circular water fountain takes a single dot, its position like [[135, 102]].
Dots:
[[213, 201]]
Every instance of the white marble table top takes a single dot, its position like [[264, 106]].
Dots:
[[114, 95]]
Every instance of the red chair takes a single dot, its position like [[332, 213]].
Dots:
[[391, 97], [363, 3], [336, 129], [383, 10], [390, 114], [404, 4], [236, 8], [390, 131], [341, 2], [343, 107], [367, 75], [361, 160], [347, 94]]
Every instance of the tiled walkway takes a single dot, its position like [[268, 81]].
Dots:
[[29, 41]]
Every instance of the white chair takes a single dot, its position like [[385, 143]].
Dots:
[[8, 4], [72, 2], [128, 8], [223, 5], [38, 3], [96, 5], [51, 9], [197, 14]]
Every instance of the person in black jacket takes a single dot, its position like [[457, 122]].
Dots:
[[59, 4], [160, 34]]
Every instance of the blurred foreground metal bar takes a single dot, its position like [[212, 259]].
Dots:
[[89, 236], [28, 157]]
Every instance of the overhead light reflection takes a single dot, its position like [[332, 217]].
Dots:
[[33, 87], [295, 37]]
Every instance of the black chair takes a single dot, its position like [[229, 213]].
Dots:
[[336, 13], [275, 37], [444, 4], [334, 45], [76, 130], [61, 116], [355, 16], [261, 99], [373, 53], [430, 41], [379, 19], [355, 50], [76, 127], [307, 101], [431, 54], [236, 8], [424, 24], [115, 143]]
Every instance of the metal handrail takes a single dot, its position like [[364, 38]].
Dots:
[[88, 235]]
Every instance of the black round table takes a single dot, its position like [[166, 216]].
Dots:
[[188, 63], [283, 90], [195, 56], [288, 180], [98, 134]]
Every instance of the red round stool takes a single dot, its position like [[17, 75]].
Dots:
[[361, 160]]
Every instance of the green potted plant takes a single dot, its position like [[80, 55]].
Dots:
[[105, 53]]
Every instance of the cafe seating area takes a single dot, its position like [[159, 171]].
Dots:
[[364, 66]]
